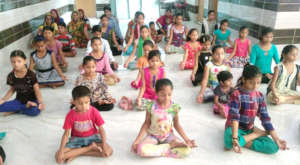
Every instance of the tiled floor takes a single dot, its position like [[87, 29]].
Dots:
[[34, 140]]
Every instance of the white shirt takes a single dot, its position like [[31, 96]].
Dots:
[[105, 48]]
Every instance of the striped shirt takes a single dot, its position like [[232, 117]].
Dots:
[[245, 106], [66, 40]]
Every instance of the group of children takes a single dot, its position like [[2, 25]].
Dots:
[[84, 133]]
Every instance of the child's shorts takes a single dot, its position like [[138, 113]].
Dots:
[[78, 142]]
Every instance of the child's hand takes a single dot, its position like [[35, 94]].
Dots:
[[101, 101], [65, 64], [41, 106], [63, 77], [191, 143], [60, 157], [134, 147], [126, 65], [139, 101], [200, 98], [113, 100], [182, 65], [192, 77], [125, 49], [281, 144], [269, 76], [2, 101], [105, 149], [116, 78], [119, 48], [80, 68], [236, 146], [167, 48]]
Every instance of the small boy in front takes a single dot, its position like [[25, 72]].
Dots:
[[84, 124]]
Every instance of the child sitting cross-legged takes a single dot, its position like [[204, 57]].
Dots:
[[222, 93], [84, 124]]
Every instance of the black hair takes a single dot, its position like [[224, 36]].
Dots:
[[224, 21], [243, 28], [188, 38], [210, 11], [18, 53], [169, 9], [286, 50], [106, 8], [138, 13], [154, 53], [94, 39], [38, 38], [87, 59], [151, 23], [102, 16], [144, 27], [49, 28], [62, 24], [96, 28], [80, 91], [249, 72], [264, 32], [148, 42], [204, 38], [160, 84], [224, 75], [214, 49]]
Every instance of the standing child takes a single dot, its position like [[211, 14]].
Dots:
[[177, 33], [100, 97], [102, 62], [161, 116], [222, 93], [155, 35], [44, 62], [85, 125], [241, 49], [137, 51], [149, 77], [211, 70], [283, 86], [142, 63], [210, 23], [246, 102], [56, 47], [222, 35], [201, 59], [262, 54], [22, 81], [191, 48], [68, 45]]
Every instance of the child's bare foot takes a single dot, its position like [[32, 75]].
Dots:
[[70, 159], [95, 146], [30, 104], [5, 114], [176, 144]]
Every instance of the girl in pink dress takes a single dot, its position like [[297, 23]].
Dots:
[[192, 47], [150, 75], [241, 50]]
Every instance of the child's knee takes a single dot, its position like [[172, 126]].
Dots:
[[33, 112], [265, 145]]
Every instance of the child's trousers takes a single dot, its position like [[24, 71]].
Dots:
[[262, 144], [17, 107]]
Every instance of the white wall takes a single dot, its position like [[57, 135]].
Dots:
[[16, 16]]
